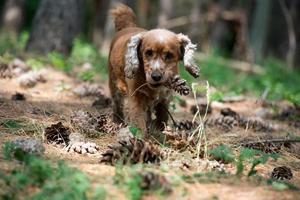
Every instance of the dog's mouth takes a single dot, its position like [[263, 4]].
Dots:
[[154, 85]]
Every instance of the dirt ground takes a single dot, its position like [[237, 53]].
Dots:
[[46, 104]]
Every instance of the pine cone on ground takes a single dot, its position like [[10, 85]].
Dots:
[[226, 123], [5, 71], [91, 125], [105, 124], [82, 148], [282, 173], [178, 85], [86, 122], [18, 97], [186, 125], [133, 151], [177, 139], [154, 181], [266, 147], [230, 119], [58, 134], [255, 124], [85, 90], [31, 78]]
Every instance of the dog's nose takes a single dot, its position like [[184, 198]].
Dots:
[[156, 76]]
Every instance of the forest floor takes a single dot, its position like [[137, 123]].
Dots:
[[54, 101]]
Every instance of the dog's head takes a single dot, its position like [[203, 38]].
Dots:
[[159, 51]]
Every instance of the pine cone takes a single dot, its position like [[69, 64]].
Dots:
[[177, 139], [282, 173], [5, 71], [18, 97], [178, 85], [255, 124], [132, 151], [58, 134], [266, 147], [91, 125], [226, 123], [228, 112], [186, 125], [153, 181], [31, 78], [85, 90], [82, 148], [231, 119]]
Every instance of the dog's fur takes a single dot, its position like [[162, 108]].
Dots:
[[136, 55]]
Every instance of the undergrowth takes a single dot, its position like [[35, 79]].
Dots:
[[277, 81], [35, 178]]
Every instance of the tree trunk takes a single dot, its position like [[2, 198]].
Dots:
[[166, 7], [14, 15], [223, 35], [259, 28], [101, 13], [55, 26]]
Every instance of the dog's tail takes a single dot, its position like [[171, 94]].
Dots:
[[123, 16]]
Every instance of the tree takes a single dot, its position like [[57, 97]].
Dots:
[[55, 26], [14, 15]]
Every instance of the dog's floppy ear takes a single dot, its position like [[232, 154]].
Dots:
[[132, 61], [188, 49]]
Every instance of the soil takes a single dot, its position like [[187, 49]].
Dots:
[[47, 104]]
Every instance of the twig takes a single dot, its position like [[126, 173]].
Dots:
[[277, 140], [138, 88], [173, 120]]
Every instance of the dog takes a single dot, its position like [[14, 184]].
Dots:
[[140, 63]]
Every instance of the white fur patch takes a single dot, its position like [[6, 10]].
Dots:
[[188, 58], [131, 57]]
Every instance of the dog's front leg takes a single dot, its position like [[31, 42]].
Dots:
[[137, 113]]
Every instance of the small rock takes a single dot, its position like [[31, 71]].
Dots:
[[30, 146], [124, 134]]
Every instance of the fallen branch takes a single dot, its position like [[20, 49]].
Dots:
[[277, 140]]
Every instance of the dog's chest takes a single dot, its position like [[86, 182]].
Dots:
[[153, 97]]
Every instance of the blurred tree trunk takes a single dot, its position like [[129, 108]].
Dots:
[[141, 12], [222, 37], [55, 26], [101, 11], [14, 15], [295, 12], [259, 28], [166, 8]]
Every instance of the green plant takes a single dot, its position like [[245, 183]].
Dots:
[[36, 178], [222, 153], [254, 157], [136, 132], [87, 76]]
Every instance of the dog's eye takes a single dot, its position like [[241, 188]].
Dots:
[[169, 56], [149, 53]]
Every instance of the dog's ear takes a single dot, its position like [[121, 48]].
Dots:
[[132, 61], [187, 50]]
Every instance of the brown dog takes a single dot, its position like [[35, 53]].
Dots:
[[140, 63]]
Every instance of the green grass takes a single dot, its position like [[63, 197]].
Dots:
[[36, 178], [281, 83]]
